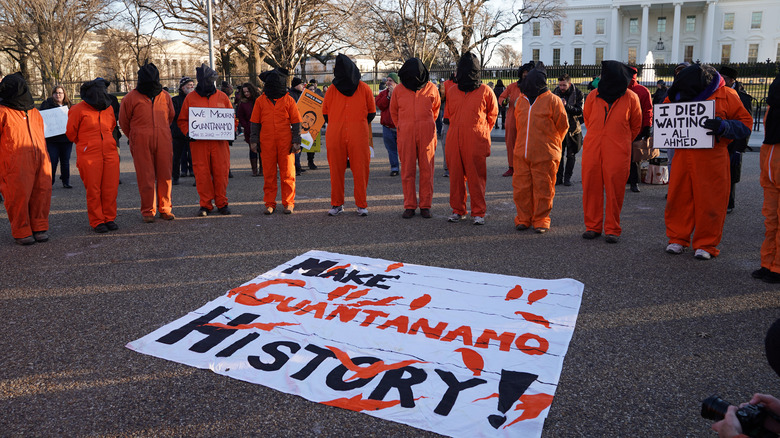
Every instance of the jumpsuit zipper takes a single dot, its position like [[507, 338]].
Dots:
[[527, 126]]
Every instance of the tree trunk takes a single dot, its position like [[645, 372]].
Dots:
[[303, 70]]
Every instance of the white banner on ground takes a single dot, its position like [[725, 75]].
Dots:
[[679, 125], [55, 121], [454, 352], [212, 123]]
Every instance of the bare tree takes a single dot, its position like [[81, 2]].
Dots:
[[360, 32], [509, 56], [115, 57], [138, 23]]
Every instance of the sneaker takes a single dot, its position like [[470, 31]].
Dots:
[[760, 273], [112, 226], [393, 173], [674, 248], [590, 235], [521, 227], [29, 240], [509, 172], [167, 216], [541, 230], [479, 220], [148, 219], [203, 212], [611, 238], [702, 254], [40, 236], [362, 211], [455, 217], [289, 209], [635, 188], [335, 210], [408, 213], [446, 173], [426, 213], [102, 228], [269, 210], [224, 210]]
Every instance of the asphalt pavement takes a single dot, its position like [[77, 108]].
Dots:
[[656, 333]]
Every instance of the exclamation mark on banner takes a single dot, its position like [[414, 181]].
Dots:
[[512, 385]]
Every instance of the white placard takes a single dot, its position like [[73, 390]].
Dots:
[[55, 121], [456, 352], [678, 125], [212, 123]]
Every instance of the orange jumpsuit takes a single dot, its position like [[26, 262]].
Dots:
[[275, 141], [472, 116], [347, 137], [541, 128], [606, 154], [210, 158], [414, 113], [512, 91], [147, 127], [97, 159], [770, 181], [25, 171], [699, 190]]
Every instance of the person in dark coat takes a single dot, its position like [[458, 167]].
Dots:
[[182, 159], [572, 142], [58, 146], [736, 147]]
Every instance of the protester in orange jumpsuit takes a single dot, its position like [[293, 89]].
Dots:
[[646, 104], [701, 182], [472, 111], [210, 158], [542, 123], [91, 125], [414, 108], [145, 116], [276, 132], [25, 170], [770, 169], [511, 93], [613, 116], [348, 109]]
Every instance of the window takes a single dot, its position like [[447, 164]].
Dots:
[[536, 26], [578, 55], [752, 53], [728, 21], [556, 56], [725, 54], [557, 28], [536, 55], [688, 54], [661, 24], [632, 55], [599, 55], [600, 24], [577, 27], [690, 23], [633, 26], [755, 20]]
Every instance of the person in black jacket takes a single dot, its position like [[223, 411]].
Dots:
[[736, 147], [572, 141], [182, 159], [58, 146]]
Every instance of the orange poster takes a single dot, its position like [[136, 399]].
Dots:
[[310, 108]]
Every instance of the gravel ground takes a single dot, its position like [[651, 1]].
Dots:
[[656, 333]]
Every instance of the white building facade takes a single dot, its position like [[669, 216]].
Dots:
[[711, 31]]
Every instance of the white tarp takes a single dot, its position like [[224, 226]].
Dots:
[[454, 352]]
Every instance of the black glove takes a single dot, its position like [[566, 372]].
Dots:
[[645, 132], [716, 126], [446, 121]]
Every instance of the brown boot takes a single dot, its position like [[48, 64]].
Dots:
[[253, 161]]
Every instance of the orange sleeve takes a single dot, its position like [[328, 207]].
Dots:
[[394, 108], [292, 109], [491, 107], [255, 117], [184, 115], [326, 101], [588, 107], [436, 102], [636, 116], [171, 110], [370, 104], [560, 118], [72, 129], [125, 113]]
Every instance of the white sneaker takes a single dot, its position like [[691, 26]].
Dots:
[[362, 212], [335, 210], [674, 248], [455, 217], [702, 254], [479, 220]]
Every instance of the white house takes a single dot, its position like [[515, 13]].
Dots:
[[714, 31]]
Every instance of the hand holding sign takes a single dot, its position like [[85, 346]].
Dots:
[[716, 126]]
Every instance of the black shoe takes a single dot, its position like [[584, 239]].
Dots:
[[203, 212], [558, 182], [40, 236], [102, 228], [634, 188], [112, 226], [771, 277], [408, 213], [393, 173], [611, 238], [590, 235], [230, 174], [567, 182], [312, 166], [426, 213], [760, 273], [224, 210], [175, 182], [66, 185]]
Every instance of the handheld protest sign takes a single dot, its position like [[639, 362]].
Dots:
[[679, 125], [212, 123], [310, 108], [55, 121]]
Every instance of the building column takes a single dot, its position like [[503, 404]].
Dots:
[[675, 43], [640, 57], [709, 29], [614, 29]]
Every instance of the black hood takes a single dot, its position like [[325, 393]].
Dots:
[[694, 83], [772, 126], [15, 94], [274, 83], [615, 77], [414, 75], [149, 81], [95, 94], [524, 68], [535, 83], [467, 75], [346, 75], [207, 79]]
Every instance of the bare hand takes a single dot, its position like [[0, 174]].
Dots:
[[729, 426], [295, 148]]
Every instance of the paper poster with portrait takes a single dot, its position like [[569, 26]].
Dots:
[[310, 108]]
